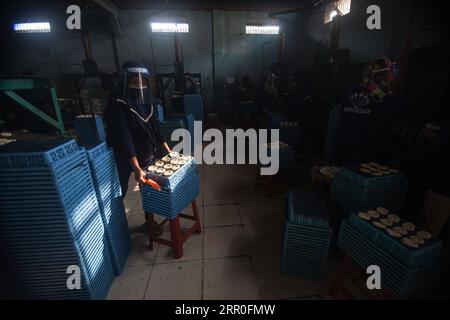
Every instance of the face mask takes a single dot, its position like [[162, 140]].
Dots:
[[138, 95]]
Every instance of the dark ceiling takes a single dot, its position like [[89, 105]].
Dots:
[[263, 5], [257, 5]]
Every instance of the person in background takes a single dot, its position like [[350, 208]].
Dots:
[[366, 110], [133, 131], [192, 86]]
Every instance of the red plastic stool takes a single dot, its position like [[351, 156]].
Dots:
[[346, 268], [176, 237]]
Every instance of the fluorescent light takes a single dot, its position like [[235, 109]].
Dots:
[[32, 27], [333, 14], [262, 29], [169, 27]]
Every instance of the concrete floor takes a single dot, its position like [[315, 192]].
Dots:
[[236, 256]]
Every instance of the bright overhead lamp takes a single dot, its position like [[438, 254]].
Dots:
[[262, 29], [32, 27], [169, 27]]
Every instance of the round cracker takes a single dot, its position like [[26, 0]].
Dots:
[[175, 167], [410, 243], [168, 173], [365, 165], [400, 230], [160, 170], [168, 166], [395, 218], [424, 234], [409, 226], [379, 225], [364, 215], [382, 211], [387, 222], [417, 239], [365, 170], [393, 233], [165, 159], [159, 163], [152, 168], [373, 214]]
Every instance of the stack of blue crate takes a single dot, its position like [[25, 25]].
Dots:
[[307, 236], [193, 104], [429, 250], [353, 191], [177, 191], [50, 222], [109, 195], [90, 130], [290, 132], [402, 279]]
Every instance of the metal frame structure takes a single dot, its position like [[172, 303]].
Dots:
[[10, 86]]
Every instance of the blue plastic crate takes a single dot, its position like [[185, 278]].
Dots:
[[307, 209], [353, 173], [67, 225], [104, 171], [193, 104], [400, 278], [410, 256], [35, 154], [350, 195], [169, 203], [305, 248], [90, 131]]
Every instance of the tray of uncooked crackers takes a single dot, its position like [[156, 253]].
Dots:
[[171, 169], [402, 238], [373, 174]]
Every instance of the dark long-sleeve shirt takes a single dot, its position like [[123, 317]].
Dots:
[[133, 130]]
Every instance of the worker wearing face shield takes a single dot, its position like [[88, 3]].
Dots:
[[133, 131]]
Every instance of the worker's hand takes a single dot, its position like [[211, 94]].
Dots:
[[140, 176], [153, 184]]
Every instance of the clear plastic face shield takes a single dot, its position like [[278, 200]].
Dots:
[[137, 84]]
